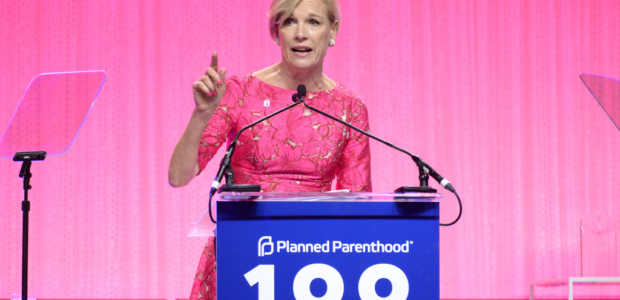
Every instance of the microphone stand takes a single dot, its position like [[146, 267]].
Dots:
[[26, 158], [422, 170], [225, 168]]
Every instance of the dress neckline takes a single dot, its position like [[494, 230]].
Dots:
[[329, 91]]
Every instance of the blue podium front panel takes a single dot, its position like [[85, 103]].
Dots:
[[289, 249]]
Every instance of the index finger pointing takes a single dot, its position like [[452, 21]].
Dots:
[[214, 61]]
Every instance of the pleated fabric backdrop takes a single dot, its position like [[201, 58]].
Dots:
[[486, 91]]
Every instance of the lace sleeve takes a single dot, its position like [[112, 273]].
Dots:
[[354, 173], [222, 123]]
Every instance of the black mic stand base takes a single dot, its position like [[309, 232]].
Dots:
[[415, 189], [241, 188]]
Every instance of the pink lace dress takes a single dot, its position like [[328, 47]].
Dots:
[[295, 151]]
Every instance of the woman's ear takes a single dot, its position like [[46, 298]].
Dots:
[[276, 35], [333, 30]]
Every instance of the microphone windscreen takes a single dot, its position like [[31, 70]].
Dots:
[[301, 90]]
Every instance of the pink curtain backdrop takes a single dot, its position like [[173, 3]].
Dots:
[[486, 91]]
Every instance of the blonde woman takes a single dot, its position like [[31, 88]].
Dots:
[[297, 151]]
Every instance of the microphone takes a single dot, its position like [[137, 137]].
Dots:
[[444, 182], [423, 168], [301, 93], [298, 98]]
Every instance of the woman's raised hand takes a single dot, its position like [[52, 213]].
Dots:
[[209, 89]]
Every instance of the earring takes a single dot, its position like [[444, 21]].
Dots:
[[332, 42]]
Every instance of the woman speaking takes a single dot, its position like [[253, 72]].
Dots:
[[296, 151]]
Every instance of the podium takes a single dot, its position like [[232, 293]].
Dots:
[[327, 246]]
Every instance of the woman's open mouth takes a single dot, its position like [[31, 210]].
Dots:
[[301, 50]]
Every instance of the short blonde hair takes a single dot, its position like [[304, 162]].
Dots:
[[282, 8]]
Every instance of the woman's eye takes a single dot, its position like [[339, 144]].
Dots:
[[315, 22], [288, 21]]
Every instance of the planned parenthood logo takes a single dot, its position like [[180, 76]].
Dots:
[[265, 246], [268, 246]]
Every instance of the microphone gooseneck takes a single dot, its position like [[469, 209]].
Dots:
[[424, 169], [298, 98], [423, 175]]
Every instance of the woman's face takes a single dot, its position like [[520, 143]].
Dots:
[[304, 35]]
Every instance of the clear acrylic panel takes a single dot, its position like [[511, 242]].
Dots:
[[606, 90], [203, 227], [51, 112]]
